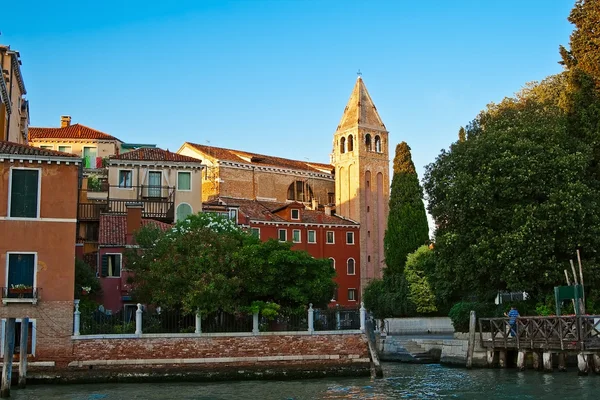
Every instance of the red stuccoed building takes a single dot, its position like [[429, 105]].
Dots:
[[319, 232]]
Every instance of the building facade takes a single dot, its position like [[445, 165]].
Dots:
[[38, 211], [320, 233], [14, 108]]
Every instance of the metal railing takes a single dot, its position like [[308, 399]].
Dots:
[[338, 318]]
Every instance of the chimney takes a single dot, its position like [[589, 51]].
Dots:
[[65, 120], [134, 220], [315, 204], [328, 210]]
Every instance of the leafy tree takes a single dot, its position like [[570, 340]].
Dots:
[[207, 263], [407, 221], [462, 134], [85, 277], [389, 297], [418, 264]]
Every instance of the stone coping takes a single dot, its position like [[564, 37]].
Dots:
[[212, 335]]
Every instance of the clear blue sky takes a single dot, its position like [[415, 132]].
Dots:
[[274, 76]]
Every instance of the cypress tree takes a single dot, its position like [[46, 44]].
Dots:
[[407, 221]]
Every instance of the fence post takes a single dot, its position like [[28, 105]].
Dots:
[[23, 352], [138, 320], [471, 346], [337, 317], [363, 316], [255, 323], [198, 322], [76, 319], [311, 320]]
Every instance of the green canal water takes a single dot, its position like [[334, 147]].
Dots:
[[402, 381]]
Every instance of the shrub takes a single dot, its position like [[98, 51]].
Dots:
[[460, 313]]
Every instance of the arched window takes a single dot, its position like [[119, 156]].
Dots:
[[350, 143], [368, 142], [351, 269], [300, 191], [343, 145], [332, 260], [183, 211], [378, 144]]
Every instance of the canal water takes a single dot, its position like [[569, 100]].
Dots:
[[402, 381]]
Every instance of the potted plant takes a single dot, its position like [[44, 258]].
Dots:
[[20, 289], [85, 290]]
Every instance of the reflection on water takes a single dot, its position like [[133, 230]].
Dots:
[[403, 381]]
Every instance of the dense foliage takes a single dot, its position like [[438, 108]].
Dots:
[[418, 265], [389, 297], [85, 279], [207, 263]]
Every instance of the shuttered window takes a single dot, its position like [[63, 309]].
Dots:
[[24, 194], [184, 181], [111, 265]]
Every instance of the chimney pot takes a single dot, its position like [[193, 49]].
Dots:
[[65, 120], [328, 210]]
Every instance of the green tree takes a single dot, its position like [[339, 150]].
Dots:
[[462, 134], [389, 297], [85, 277], [407, 221], [418, 265]]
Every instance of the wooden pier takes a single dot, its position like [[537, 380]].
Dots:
[[545, 338]]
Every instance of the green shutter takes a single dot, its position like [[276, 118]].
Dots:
[[117, 266], [24, 193], [104, 267]]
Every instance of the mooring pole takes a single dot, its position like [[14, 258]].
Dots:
[[471, 348], [23, 353], [9, 349]]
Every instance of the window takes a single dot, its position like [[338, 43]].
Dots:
[[378, 144], [368, 142], [332, 262], [300, 191], [47, 147], [349, 237], [21, 273], [296, 236], [343, 145], [64, 149], [24, 193], [335, 294], [295, 214], [350, 143], [125, 176], [369, 258], [111, 265], [184, 210], [282, 234], [351, 270], [330, 237], [184, 181], [330, 198], [351, 294], [233, 214], [89, 157], [312, 236], [256, 232], [31, 337], [154, 184]]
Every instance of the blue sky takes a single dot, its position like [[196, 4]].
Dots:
[[274, 76]]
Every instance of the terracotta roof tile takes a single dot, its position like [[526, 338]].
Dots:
[[154, 154], [75, 131], [22, 149], [113, 229], [260, 159]]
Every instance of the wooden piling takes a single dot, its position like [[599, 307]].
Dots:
[[9, 349], [502, 358], [582, 364], [491, 358], [536, 358], [547, 360], [521, 360], [562, 362], [596, 359], [471, 348], [23, 353]]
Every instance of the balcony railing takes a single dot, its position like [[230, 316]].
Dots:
[[20, 295]]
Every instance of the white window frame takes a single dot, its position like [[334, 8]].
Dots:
[[70, 148], [119, 180], [33, 322], [39, 197], [353, 241], [292, 214], [332, 237], [332, 259], [348, 294], [279, 234], [120, 267], [35, 264], [184, 172], [233, 214], [353, 266], [255, 229], [294, 236], [308, 236]]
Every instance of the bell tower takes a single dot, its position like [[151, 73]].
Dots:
[[362, 184]]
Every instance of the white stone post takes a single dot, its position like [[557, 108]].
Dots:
[[363, 316], [311, 319], [138, 320], [337, 317], [198, 322], [76, 319], [255, 323]]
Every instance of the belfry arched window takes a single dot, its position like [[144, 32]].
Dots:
[[300, 191], [350, 143], [368, 144], [378, 144], [343, 145]]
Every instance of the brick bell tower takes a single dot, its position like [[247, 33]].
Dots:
[[362, 183]]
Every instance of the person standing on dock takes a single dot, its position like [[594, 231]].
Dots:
[[512, 320]]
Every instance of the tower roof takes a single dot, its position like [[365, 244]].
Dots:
[[360, 110]]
